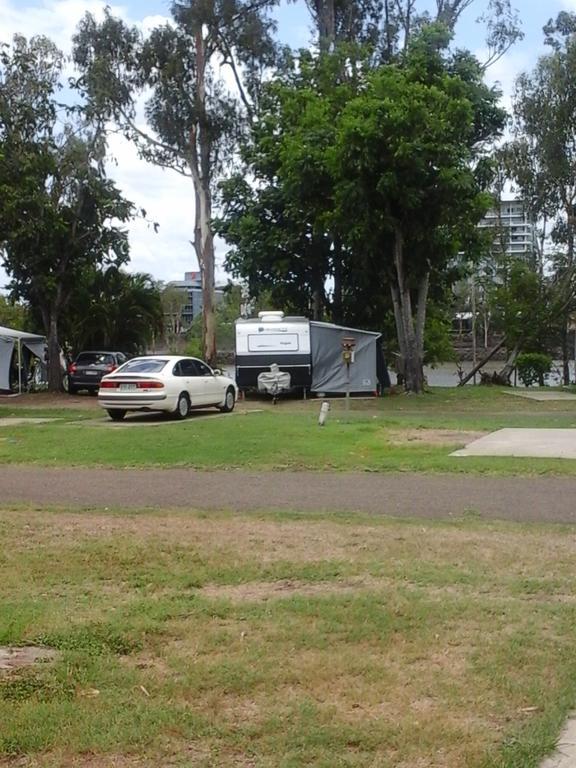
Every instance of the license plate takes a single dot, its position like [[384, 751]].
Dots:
[[91, 373], [128, 387]]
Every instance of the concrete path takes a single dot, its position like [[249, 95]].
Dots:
[[565, 755], [542, 499], [11, 421], [542, 396], [534, 443]]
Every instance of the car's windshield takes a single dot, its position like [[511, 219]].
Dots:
[[142, 365], [94, 358]]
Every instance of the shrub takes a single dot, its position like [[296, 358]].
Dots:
[[532, 367]]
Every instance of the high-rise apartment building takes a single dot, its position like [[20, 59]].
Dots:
[[191, 286], [514, 229]]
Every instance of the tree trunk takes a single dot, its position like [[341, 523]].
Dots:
[[326, 18], [200, 165], [317, 304], [54, 368], [337, 315], [565, 354], [410, 333], [421, 312], [204, 247], [388, 30], [505, 372], [482, 363]]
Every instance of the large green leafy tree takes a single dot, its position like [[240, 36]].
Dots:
[[407, 159], [369, 182], [280, 220], [59, 214], [192, 119], [542, 156]]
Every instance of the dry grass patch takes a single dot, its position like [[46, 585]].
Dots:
[[261, 591], [432, 436], [283, 641]]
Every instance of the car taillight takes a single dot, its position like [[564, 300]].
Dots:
[[72, 368], [114, 384], [111, 367]]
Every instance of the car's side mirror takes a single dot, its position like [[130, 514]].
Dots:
[[217, 372]]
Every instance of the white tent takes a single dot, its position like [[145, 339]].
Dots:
[[10, 341]]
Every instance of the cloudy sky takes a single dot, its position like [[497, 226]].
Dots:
[[168, 197]]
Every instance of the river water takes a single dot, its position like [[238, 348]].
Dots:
[[446, 374]]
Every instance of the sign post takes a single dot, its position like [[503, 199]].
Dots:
[[348, 344]]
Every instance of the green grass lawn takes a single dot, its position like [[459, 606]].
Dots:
[[397, 433], [284, 640]]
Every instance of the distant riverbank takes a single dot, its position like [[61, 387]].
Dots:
[[446, 374]]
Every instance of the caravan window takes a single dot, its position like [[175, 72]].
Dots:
[[273, 342]]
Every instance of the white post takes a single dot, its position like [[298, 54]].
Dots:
[[324, 408]]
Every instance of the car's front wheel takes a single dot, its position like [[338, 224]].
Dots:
[[229, 401], [182, 406], [116, 414]]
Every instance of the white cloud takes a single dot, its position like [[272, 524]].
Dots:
[[56, 19], [168, 200]]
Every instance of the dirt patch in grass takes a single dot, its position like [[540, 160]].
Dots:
[[49, 400], [14, 657], [433, 436], [12, 421], [285, 588], [263, 591]]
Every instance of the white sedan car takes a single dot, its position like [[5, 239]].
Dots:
[[167, 383]]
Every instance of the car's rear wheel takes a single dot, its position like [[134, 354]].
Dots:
[[182, 406], [116, 414], [229, 401], [71, 388]]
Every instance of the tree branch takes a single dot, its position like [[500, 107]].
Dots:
[[146, 136], [232, 64], [249, 8]]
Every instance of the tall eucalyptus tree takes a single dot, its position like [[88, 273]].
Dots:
[[192, 118]]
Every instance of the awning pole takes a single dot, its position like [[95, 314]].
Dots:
[[19, 366]]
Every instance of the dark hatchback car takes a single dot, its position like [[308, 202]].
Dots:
[[89, 367]]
